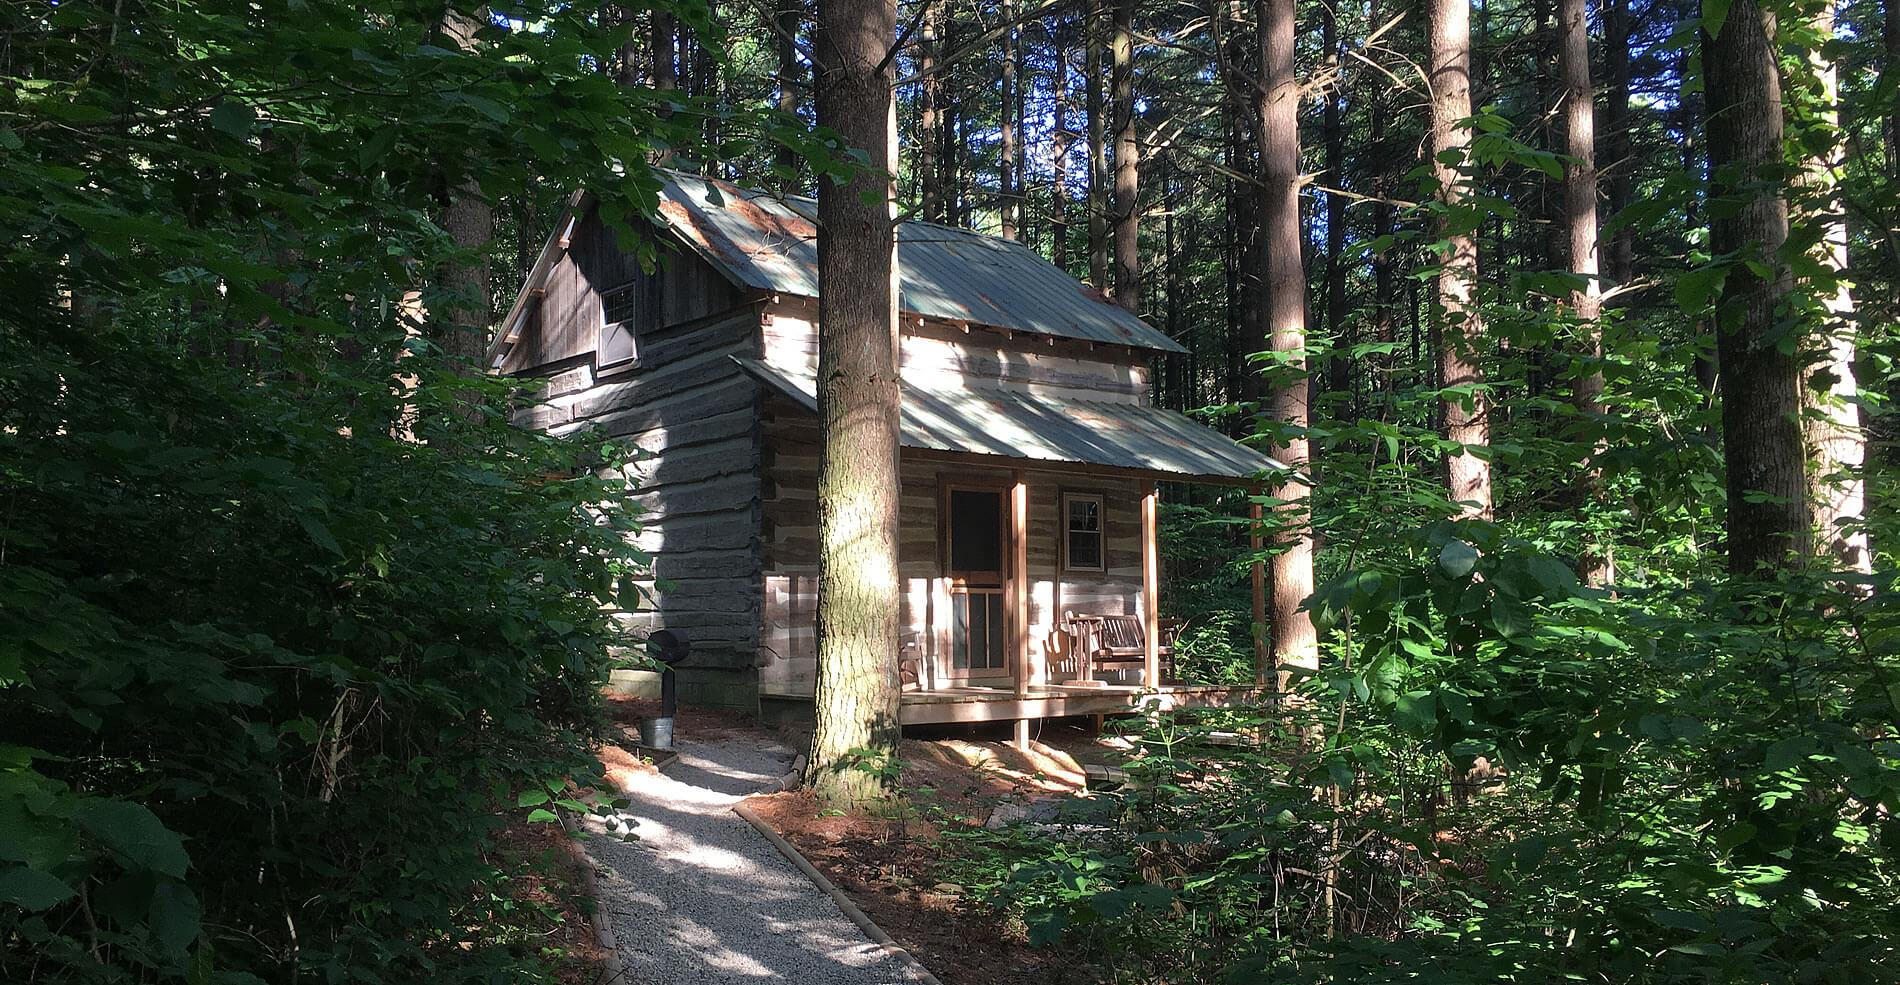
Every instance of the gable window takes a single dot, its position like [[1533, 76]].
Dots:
[[619, 314], [1084, 546]]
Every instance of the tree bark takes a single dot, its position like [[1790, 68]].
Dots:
[[1098, 155], [791, 76], [1460, 323], [928, 138], [1760, 385], [469, 219], [1620, 262], [1598, 567], [1127, 164], [1837, 448], [857, 628], [1006, 158], [665, 68], [1292, 638], [1339, 362], [1059, 151]]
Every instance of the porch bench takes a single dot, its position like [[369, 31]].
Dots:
[[1112, 642]]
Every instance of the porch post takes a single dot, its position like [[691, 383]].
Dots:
[[1017, 598], [1262, 657], [1150, 586]]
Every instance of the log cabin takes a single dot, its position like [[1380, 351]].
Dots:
[[1029, 558]]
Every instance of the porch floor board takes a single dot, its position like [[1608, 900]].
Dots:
[[971, 703]]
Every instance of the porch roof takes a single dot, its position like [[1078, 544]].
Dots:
[[1015, 424]]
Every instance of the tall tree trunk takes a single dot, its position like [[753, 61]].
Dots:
[[1620, 262], [1837, 448], [858, 601], [1127, 164], [1339, 363], [1760, 384], [1689, 107], [790, 15], [1580, 222], [1059, 151], [929, 139], [1292, 638], [1890, 69], [469, 219], [1006, 158], [1019, 146], [665, 69], [1460, 324], [1098, 156]]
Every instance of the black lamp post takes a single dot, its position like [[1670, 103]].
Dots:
[[669, 648]]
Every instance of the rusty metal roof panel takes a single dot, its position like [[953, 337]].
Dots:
[[984, 420], [770, 243]]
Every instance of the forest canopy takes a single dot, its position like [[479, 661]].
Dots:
[[1579, 335]]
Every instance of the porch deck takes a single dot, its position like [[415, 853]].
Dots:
[[976, 703]]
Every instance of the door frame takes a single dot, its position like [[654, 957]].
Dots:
[[1001, 582]]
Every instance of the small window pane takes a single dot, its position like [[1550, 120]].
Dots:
[[1083, 532], [976, 530], [622, 304]]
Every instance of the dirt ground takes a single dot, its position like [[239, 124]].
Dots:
[[549, 875], [888, 868]]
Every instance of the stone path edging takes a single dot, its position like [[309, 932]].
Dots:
[[850, 909], [610, 967]]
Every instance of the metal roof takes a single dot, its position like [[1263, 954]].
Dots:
[[981, 420], [770, 243]]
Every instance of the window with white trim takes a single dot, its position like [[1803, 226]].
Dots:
[[619, 314], [1084, 534]]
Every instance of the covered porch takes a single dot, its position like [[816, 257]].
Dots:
[[1029, 562]]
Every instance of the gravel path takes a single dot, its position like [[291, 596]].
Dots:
[[702, 897]]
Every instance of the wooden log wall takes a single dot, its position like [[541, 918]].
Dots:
[[789, 551], [692, 418]]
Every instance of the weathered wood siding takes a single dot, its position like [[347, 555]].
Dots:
[[942, 356], [789, 549], [565, 322], [692, 416]]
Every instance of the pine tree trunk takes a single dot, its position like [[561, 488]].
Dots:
[[1837, 448], [1059, 152], [1098, 155], [665, 68], [1760, 385], [1459, 324], [1339, 363], [857, 630], [1006, 158], [1889, 70], [927, 126], [1127, 164], [791, 75], [469, 219], [1293, 642], [1580, 222], [1619, 263]]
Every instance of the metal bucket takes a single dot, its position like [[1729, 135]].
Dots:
[[656, 733]]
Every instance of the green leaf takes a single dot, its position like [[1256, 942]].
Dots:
[[32, 890], [134, 834], [1457, 558], [531, 797], [175, 918], [235, 119], [1696, 287], [541, 815], [1714, 15], [319, 533]]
